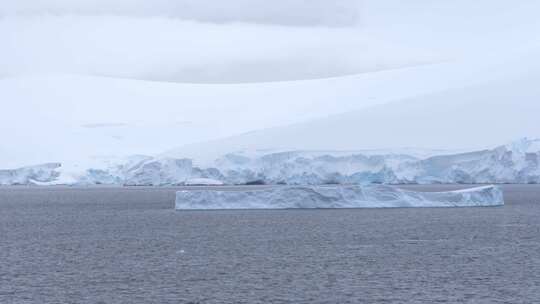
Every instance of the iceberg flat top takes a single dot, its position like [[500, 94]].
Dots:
[[351, 196], [203, 182]]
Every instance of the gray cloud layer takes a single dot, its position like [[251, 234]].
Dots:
[[164, 49], [218, 41], [282, 12]]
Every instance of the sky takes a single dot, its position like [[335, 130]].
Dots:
[[203, 41], [277, 12], [164, 49], [209, 41]]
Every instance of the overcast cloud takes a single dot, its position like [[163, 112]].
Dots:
[[214, 41], [283, 12]]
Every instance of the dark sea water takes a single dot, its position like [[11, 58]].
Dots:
[[128, 245]]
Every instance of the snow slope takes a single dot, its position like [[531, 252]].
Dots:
[[96, 117], [473, 115], [446, 106]]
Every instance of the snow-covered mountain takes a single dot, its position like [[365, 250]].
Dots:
[[87, 81], [500, 105], [518, 162]]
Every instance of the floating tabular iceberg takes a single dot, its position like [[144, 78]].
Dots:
[[353, 196], [203, 182]]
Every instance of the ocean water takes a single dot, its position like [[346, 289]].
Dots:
[[128, 245]]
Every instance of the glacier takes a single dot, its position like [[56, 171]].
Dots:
[[517, 162], [350, 196], [140, 170], [30, 175]]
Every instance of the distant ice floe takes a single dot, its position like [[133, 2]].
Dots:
[[352, 196]]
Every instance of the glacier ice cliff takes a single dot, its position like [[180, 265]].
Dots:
[[142, 170], [518, 162], [31, 175], [347, 196]]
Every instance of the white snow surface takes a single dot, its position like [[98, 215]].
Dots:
[[352, 196], [203, 182], [466, 114]]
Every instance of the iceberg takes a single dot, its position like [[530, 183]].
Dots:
[[350, 196], [203, 182]]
